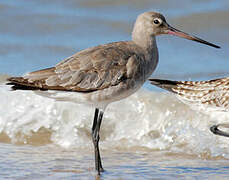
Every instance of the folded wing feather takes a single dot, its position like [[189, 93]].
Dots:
[[88, 70]]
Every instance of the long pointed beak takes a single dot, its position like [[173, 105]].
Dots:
[[179, 33]]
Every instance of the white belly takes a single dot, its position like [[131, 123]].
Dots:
[[99, 98]]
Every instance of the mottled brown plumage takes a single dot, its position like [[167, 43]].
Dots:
[[212, 95], [89, 70]]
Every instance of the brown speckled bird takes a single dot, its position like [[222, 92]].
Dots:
[[105, 73], [212, 95]]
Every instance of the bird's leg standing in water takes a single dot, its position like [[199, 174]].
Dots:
[[95, 138]]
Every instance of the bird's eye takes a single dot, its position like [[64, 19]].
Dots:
[[156, 21]]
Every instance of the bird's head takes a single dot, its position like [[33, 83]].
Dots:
[[154, 24]]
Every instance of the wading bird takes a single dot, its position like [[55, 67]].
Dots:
[[105, 73], [212, 95]]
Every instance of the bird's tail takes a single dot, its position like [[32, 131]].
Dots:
[[19, 83], [31, 81]]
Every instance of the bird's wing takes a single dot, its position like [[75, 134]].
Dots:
[[88, 70], [213, 93]]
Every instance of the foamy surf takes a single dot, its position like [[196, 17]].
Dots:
[[149, 120]]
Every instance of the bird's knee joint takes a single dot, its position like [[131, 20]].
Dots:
[[95, 136]]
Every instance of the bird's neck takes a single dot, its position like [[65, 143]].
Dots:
[[144, 40], [147, 42]]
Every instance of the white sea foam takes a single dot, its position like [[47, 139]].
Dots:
[[151, 120]]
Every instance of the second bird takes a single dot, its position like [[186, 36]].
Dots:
[[205, 96]]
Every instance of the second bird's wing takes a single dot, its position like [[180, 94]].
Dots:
[[212, 93]]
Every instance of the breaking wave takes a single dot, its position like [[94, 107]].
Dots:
[[146, 120]]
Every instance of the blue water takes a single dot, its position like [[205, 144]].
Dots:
[[37, 34]]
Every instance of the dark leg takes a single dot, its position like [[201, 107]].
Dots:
[[95, 138]]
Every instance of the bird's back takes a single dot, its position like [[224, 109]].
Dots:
[[93, 69]]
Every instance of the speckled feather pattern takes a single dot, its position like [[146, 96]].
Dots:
[[212, 94]]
